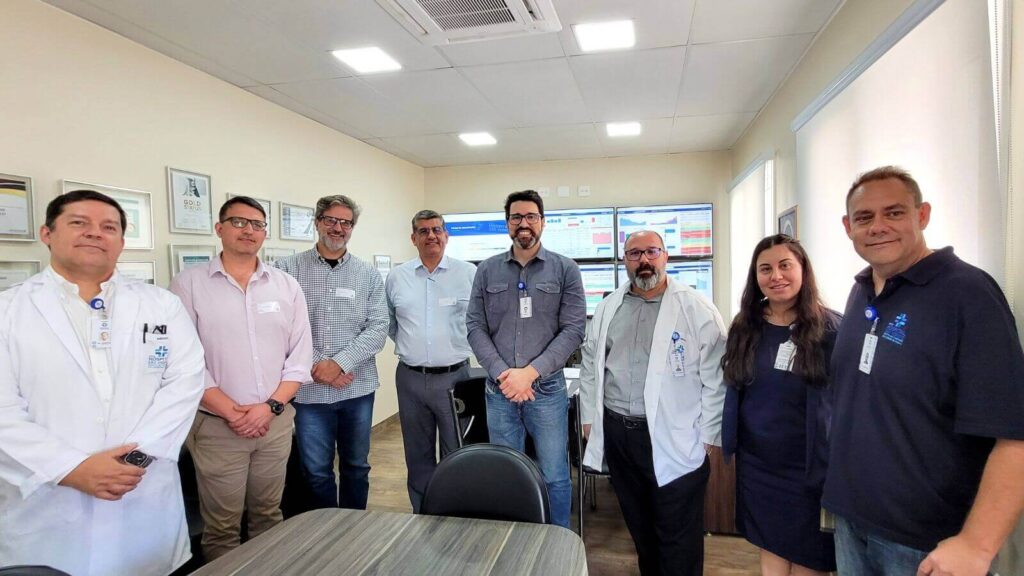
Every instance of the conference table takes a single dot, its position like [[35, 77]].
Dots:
[[341, 541]]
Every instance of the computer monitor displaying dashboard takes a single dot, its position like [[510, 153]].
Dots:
[[597, 280], [477, 236], [577, 233], [686, 228], [697, 275]]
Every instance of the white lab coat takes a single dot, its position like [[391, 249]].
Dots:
[[52, 418], [683, 412]]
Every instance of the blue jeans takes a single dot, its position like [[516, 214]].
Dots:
[[546, 419], [343, 426], [861, 553]]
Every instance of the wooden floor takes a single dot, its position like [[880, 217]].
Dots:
[[609, 548]]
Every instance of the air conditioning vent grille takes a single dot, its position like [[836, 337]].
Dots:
[[456, 14]]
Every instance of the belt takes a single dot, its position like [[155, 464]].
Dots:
[[629, 422], [438, 369]]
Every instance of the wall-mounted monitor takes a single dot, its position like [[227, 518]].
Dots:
[[597, 279], [580, 233], [696, 275], [476, 237], [686, 228]]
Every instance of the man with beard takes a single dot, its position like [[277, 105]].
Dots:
[[651, 395], [527, 314], [349, 317]]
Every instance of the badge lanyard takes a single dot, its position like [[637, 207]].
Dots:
[[525, 302], [867, 353], [678, 357], [99, 324]]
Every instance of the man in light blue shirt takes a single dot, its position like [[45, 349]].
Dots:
[[427, 300]]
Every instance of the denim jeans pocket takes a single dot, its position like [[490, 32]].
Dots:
[[550, 385]]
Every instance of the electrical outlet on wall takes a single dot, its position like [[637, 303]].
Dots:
[[563, 191], [544, 191], [583, 191]]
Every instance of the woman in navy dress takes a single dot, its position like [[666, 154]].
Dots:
[[777, 409]]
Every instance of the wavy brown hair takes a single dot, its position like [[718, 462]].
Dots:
[[812, 319]]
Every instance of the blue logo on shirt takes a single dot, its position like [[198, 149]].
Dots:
[[895, 332], [161, 352]]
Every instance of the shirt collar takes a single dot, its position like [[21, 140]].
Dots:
[[921, 273], [71, 289], [217, 265], [320, 257], [419, 263], [542, 254]]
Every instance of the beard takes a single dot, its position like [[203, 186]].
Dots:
[[525, 241], [334, 245], [648, 282]]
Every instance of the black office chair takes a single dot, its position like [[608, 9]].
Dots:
[[469, 410], [490, 482], [31, 571]]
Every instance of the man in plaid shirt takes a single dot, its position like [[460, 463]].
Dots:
[[348, 314]]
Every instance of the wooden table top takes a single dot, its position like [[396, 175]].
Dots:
[[341, 541]]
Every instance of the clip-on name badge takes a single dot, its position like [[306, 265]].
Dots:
[[867, 353], [99, 324], [525, 302], [678, 356], [785, 357]]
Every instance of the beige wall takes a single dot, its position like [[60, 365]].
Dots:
[[82, 103], [632, 181]]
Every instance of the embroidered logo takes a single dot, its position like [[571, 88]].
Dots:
[[896, 332], [158, 359]]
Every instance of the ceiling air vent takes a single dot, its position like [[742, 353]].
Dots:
[[438, 22]]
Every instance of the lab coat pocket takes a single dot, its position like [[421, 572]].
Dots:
[[50, 508]]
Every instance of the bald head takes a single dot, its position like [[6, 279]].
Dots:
[[645, 237]]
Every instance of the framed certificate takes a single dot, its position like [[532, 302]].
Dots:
[[297, 222], [267, 205], [183, 256], [191, 205], [271, 255], [137, 206], [144, 271], [16, 222], [14, 271]]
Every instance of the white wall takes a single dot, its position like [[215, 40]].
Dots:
[[82, 103]]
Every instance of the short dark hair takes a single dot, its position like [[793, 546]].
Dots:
[[426, 215], [250, 202], [524, 196], [56, 206], [885, 173], [327, 202]]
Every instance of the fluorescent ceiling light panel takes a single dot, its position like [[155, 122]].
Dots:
[[617, 129], [478, 138], [598, 36], [367, 60]]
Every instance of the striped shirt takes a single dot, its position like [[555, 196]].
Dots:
[[348, 314]]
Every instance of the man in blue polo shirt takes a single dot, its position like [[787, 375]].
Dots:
[[927, 454]]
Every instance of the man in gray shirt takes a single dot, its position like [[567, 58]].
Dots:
[[526, 316]]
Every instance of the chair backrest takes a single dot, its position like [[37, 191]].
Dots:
[[31, 571], [469, 410], [490, 482]]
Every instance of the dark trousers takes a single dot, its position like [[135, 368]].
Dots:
[[667, 522]]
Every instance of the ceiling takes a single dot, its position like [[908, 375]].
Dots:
[[698, 75]]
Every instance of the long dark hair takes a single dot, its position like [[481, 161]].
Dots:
[[808, 334]]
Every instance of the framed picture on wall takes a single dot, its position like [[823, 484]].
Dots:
[[143, 271], [270, 254], [267, 205], [788, 223], [185, 255], [191, 202], [297, 222], [16, 222], [137, 206], [15, 271]]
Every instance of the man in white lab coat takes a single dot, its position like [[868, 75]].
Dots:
[[651, 395], [100, 378]]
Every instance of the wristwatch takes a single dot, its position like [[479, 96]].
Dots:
[[138, 458], [276, 407]]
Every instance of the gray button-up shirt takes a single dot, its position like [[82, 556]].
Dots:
[[627, 353], [500, 338]]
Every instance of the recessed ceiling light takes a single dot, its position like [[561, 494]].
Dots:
[[617, 129], [478, 138], [598, 36], [367, 60]]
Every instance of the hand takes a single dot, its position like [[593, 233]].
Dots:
[[342, 380], [517, 383], [104, 476], [710, 449], [326, 371], [956, 556], [586, 431], [254, 422]]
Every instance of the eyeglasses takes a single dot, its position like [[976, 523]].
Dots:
[[652, 254], [331, 222], [239, 222], [425, 232], [531, 218]]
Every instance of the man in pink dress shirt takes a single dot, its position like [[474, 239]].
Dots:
[[253, 323]]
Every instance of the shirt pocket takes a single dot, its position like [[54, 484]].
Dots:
[[549, 297], [497, 298]]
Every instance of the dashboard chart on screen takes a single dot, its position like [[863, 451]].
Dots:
[[597, 280], [696, 275], [686, 228], [581, 233], [476, 237]]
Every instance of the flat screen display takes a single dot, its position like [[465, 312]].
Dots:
[[686, 228], [696, 275], [476, 237], [580, 233], [597, 279]]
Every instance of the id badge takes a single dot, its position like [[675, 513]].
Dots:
[[99, 331], [526, 307], [867, 353], [678, 360], [786, 355], [159, 349]]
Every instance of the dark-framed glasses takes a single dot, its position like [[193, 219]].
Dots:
[[426, 232], [331, 222], [531, 218], [239, 222], [652, 253]]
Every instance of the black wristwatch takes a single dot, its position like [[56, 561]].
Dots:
[[276, 407], [138, 458]]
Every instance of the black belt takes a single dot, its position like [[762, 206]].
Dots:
[[438, 369], [630, 422]]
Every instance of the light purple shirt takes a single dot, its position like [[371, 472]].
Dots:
[[255, 339]]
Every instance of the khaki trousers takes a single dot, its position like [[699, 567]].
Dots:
[[236, 474]]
